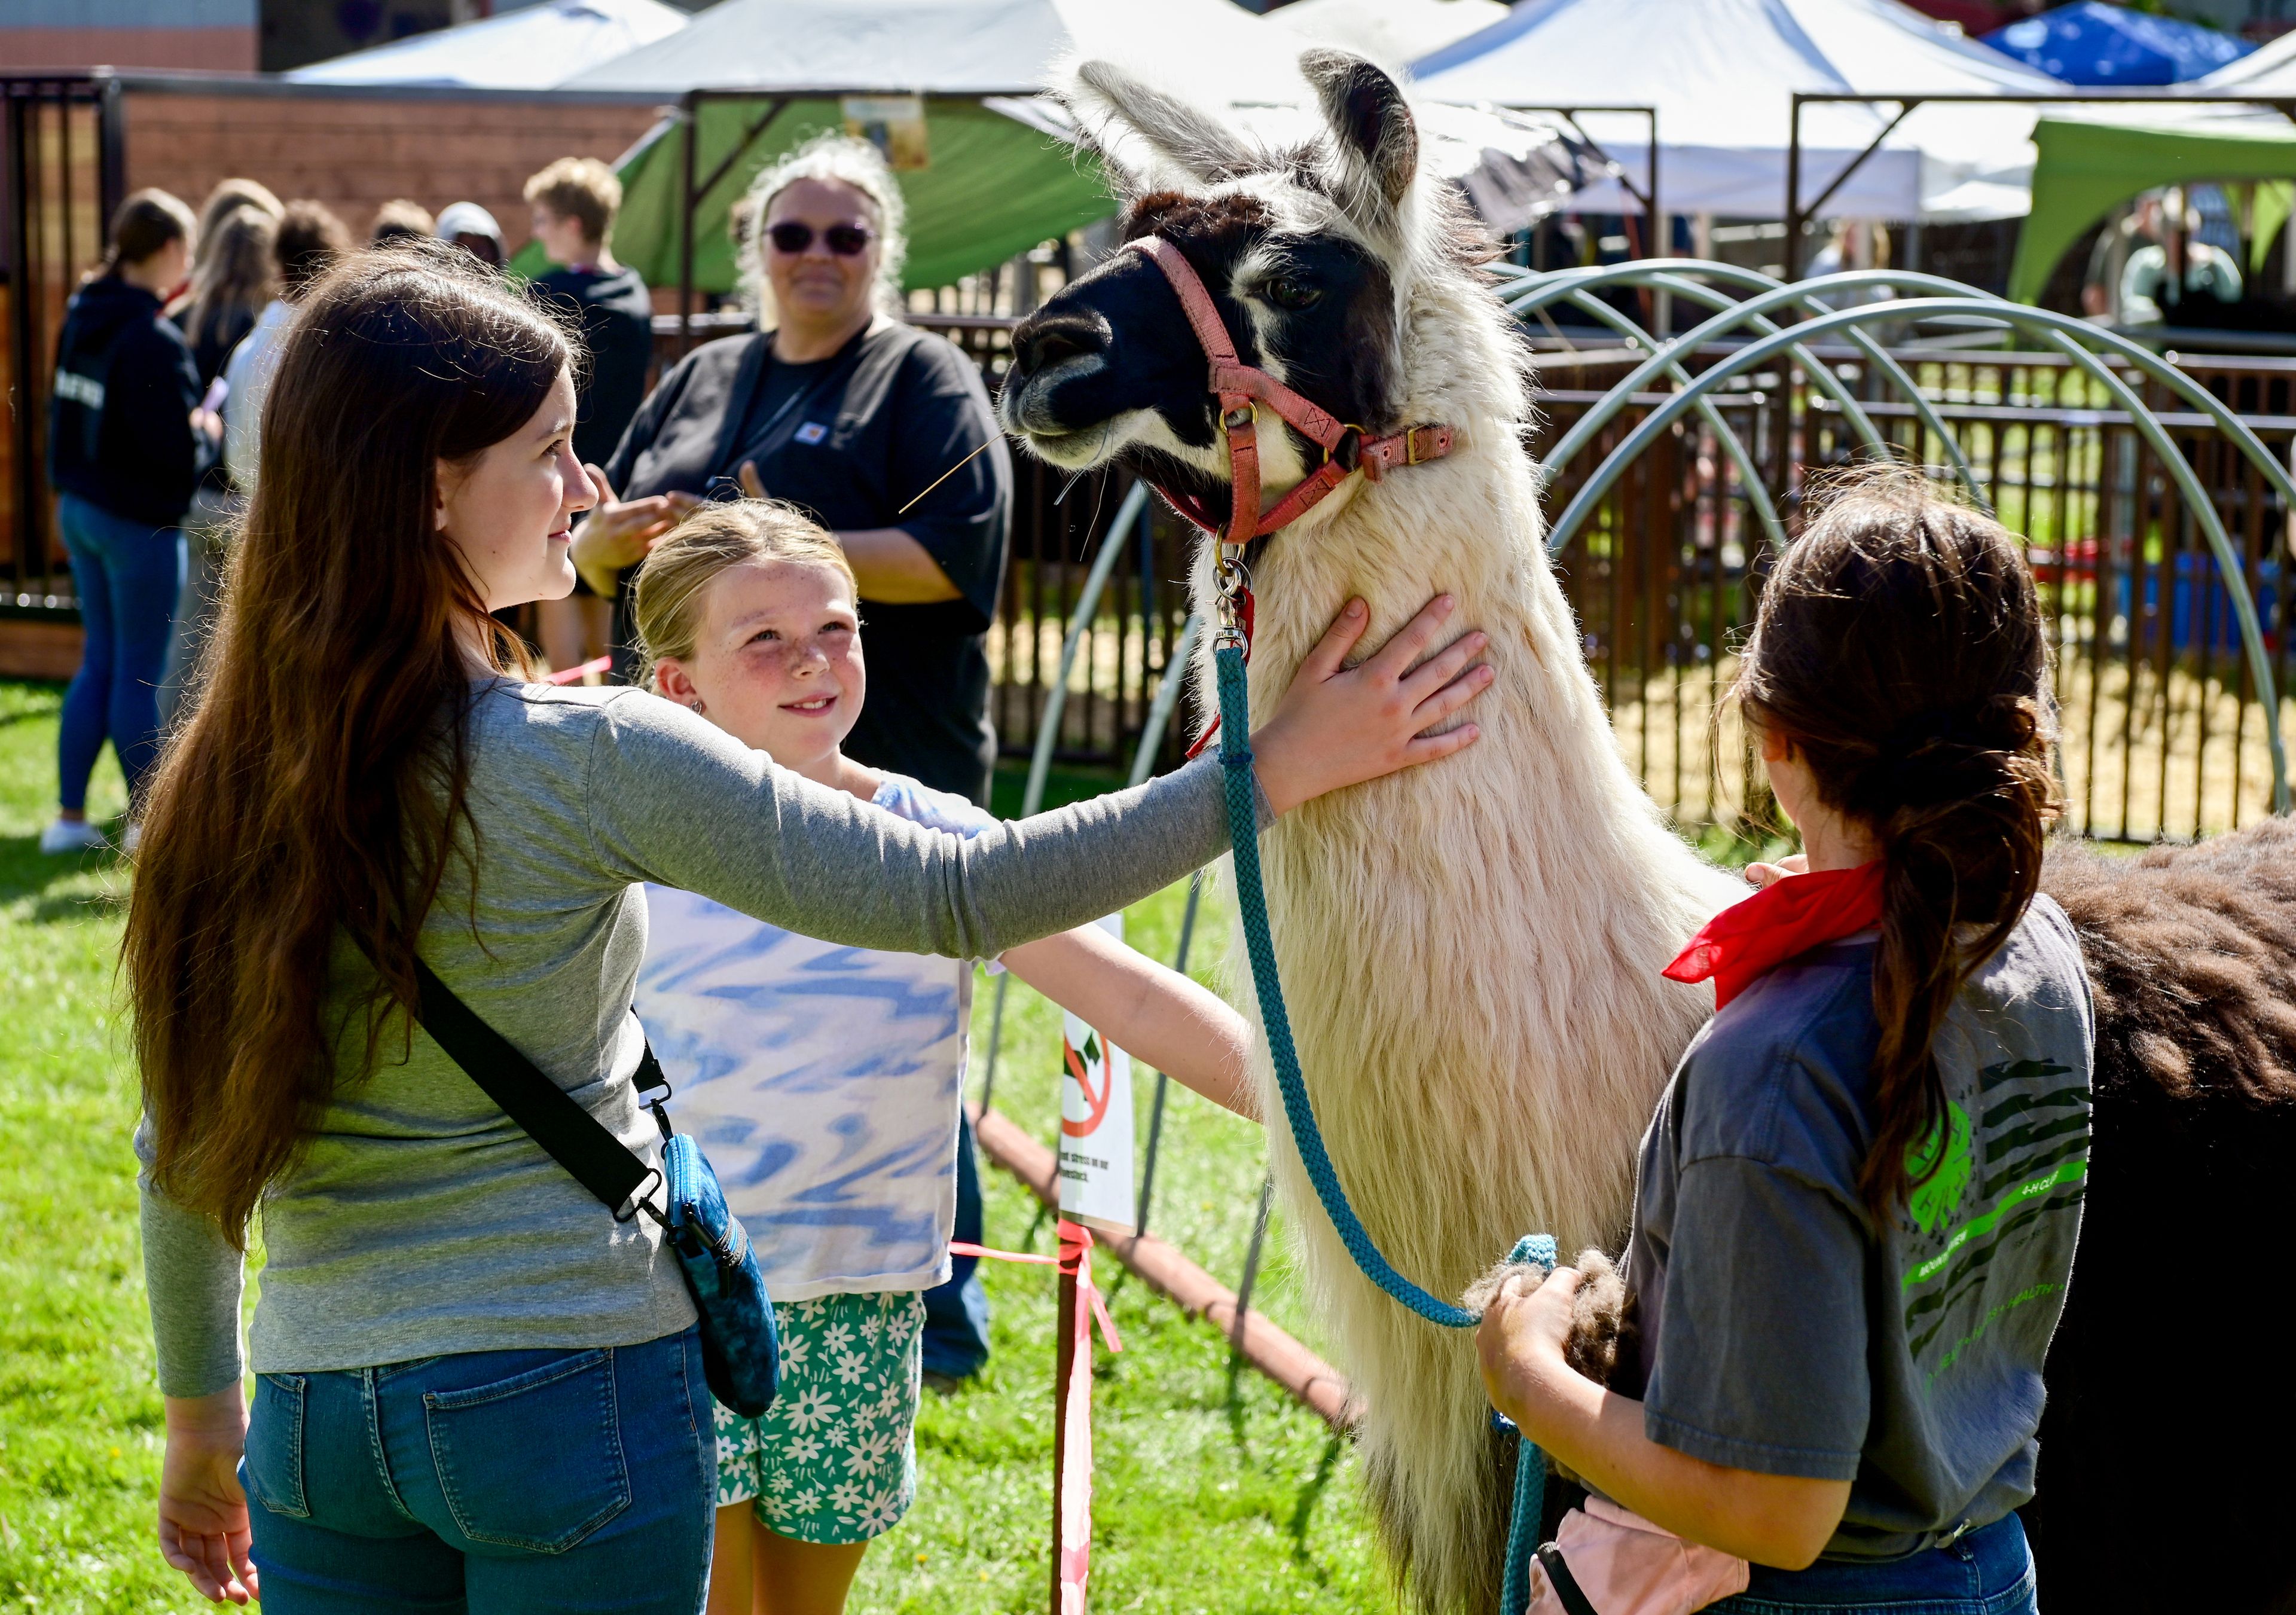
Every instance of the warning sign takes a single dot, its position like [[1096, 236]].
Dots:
[[1095, 1124]]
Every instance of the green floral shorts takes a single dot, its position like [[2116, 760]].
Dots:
[[835, 1457]]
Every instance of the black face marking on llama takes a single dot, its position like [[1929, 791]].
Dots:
[[1112, 356], [1115, 342]]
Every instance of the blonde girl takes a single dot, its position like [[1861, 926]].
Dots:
[[824, 1081]]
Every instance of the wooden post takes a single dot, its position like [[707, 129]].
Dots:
[[688, 201], [1065, 1368]]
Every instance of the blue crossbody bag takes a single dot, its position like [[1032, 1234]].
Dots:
[[740, 1355]]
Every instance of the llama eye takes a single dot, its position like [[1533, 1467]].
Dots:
[[1291, 294]]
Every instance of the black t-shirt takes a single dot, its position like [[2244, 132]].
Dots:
[[851, 441], [616, 317], [786, 389]]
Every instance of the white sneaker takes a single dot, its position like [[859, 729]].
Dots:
[[71, 835]]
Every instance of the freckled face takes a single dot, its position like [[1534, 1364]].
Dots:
[[777, 661]]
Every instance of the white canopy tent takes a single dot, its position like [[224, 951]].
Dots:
[[1393, 33], [1514, 168], [2269, 69], [538, 47], [1721, 73], [955, 47]]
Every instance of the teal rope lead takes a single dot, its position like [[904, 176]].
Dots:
[[1252, 899], [1252, 903]]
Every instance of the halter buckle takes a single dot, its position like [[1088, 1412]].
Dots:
[[1238, 418]]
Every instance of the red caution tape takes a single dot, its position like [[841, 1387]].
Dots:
[[1074, 1483], [575, 675]]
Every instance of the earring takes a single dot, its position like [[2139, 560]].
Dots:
[[695, 704]]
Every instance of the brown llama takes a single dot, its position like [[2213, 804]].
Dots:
[[1472, 951]]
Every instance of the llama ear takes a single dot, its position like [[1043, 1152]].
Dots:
[[1379, 142], [1108, 103]]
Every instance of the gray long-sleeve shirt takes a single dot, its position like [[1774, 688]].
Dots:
[[420, 1219]]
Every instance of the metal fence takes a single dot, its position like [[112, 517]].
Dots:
[[2163, 736], [61, 174]]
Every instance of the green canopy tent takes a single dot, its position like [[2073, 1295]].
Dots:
[[2086, 168], [753, 78], [991, 185]]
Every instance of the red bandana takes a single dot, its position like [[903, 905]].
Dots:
[[1789, 917]]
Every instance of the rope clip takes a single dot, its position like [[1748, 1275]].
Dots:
[[1233, 579]]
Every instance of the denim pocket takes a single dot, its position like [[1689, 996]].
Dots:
[[273, 1460], [535, 1461]]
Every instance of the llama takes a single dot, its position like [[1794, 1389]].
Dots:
[[1472, 951]]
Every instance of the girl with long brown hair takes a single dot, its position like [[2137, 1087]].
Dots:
[[475, 1388], [1858, 1203]]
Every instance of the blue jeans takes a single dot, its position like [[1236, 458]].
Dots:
[[500, 1481], [127, 574], [1988, 1572]]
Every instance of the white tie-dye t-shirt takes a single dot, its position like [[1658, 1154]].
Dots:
[[823, 1082]]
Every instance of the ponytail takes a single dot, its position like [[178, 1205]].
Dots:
[[1961, 849], [1900, 646], [143, 224]]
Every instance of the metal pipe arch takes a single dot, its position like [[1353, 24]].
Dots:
[[1757, 493], [2188, 484]]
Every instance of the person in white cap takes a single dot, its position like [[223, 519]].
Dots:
[[473, 229]]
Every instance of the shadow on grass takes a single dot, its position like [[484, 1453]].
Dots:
[[1303, 1514], [1232, 1404], [27, 871]]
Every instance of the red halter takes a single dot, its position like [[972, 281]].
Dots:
[[1239, 385]]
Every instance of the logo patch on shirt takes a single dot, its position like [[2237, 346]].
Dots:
[[812, 432], [85, 390]]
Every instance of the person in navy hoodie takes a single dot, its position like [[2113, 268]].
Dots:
[[124, 454]]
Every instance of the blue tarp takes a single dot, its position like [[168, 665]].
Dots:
[[2090, 42]]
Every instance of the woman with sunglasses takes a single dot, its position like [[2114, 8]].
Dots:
[[840, 408]]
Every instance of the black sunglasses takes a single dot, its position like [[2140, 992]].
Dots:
[[845, 241]]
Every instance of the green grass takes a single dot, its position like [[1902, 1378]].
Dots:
[[1215, 1492], [79, 1414]]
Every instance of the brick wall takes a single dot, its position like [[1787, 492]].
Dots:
[[353, 152], [217, 50]]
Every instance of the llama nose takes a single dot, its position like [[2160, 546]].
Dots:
[[1044, 342]]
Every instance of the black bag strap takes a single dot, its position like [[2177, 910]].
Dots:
[[575, 1139], [1565, 1585]]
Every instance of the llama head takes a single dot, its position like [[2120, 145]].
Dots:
[[1313, 254]]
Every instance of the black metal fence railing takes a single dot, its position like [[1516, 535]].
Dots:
[[2163, 732], [61, 174]]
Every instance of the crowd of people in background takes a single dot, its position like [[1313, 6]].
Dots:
[[163, 368]]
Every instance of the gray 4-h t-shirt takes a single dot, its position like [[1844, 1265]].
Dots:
[[1783, 1331]]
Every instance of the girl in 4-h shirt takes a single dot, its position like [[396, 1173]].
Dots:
[[824, 1082], [1858, 1203]]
